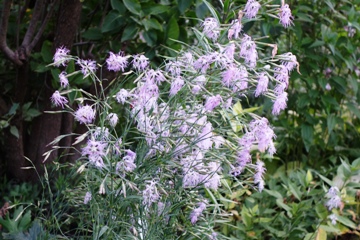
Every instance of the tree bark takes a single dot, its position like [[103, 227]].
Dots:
[[49, 126]]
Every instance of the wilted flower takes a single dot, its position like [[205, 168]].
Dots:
[[85, 114], [61, 56], [58, 100], [117, 62]]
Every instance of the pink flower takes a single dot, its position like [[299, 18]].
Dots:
[[95, 151], [176, 85], [248, 51], [87, 66], [285, 16], [87, 197], [251, 8], [117, 62], [63, 79], [154, 76], [211, 28], [61, 56], [85, 114], [235, 29], [140, 62], [328, 87], [113, 119], [196, 213], [258, 177], [212, 102], [58, 100], [262, 86], [122, 95], [280, 103]]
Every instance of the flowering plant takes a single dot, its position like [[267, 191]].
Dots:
[[186, 131]]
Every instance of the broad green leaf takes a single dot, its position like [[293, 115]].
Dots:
[[172, 29], [347, 222], [129, 32], [93, 34], [112, 21], [281, 204], [307, 134], [14, 131], [133, 6], [331, 122], [354, 109], [154, 9], [118, 6], [183, 5], [46, 52], [152, 23], [13, 108], [273, 193], [295, 191], [150, 38]]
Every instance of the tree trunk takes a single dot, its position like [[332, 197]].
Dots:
[[46, 127]]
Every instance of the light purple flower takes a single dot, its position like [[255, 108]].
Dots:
[[229, 51], [328, 87], [290, 61], [113, 119], [85, 114], [176, 85], [61, 56], [63, 79], [87, 197], [192, 179], [117, 62], [203, 63], [87, 66], [122, 95], [95, 151], [58, 100], [150, 193], [262, 85], [279, 103], [204, 140], [211, 28], [334, 198], [174, 68], [248, 51], [127, 163], [196, 213], [154, 76], [235, 29], [196, 89], [258, 177], [212, 102], [333, 219], [140, 62], [285, 16], [251, 8]]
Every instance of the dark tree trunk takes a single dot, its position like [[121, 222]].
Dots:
[[47, 126]]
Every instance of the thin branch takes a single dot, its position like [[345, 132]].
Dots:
[[42, 27], [39, 6], [3, 31]]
